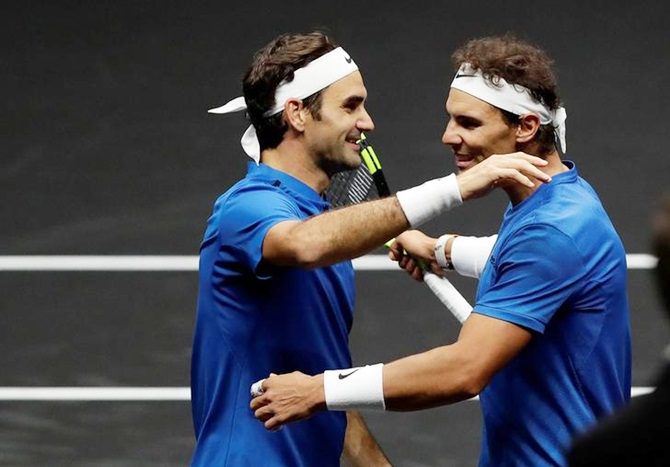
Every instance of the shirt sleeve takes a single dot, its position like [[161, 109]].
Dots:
[[247, 217], [534, 273]]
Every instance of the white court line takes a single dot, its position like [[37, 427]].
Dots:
[[95, 394], [102, 394], [166, 263], [190, 263]]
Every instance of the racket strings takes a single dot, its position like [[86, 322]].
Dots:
[[351, 187]]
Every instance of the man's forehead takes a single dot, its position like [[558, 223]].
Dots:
[[349, 86]]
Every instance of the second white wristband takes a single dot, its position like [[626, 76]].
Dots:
[[469, 255], [360, 388]]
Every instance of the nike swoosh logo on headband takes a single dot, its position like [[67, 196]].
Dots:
[[343, 375], [464, 76], [348, 59]]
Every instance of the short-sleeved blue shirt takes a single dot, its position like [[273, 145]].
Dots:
[[253, 319], [558, 269]]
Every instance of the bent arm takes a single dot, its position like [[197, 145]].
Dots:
[[455, 372], [355, 230]]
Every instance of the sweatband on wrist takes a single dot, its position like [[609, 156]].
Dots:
[[441, 254], [360, 388], [423, 202], [470, 254]]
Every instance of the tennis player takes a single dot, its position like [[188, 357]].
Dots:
[[276, 289], [636, 434], [547, 347]]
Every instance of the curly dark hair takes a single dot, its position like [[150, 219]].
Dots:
[[517, 62], [273, 64]]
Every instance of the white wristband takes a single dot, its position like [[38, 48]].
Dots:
[[358, 388], [470, 254], [423, 202], [441, 254]]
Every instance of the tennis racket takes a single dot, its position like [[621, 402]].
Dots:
[[367, 182]]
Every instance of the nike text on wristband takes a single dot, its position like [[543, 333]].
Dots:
[[423, 202], [360, 388]]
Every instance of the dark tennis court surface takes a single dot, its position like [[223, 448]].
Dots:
[[108, 150]]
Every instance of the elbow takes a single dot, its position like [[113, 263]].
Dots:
[[472, 389], [470, 385]]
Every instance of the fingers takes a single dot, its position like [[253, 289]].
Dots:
[[257, 388], [261, 406], [395, 253], [529, 165], [270, 420], [509, 177], [501, 170], [411, 266], [513, 165]]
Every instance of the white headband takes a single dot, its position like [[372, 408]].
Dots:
[[510, 97], [315, 76]]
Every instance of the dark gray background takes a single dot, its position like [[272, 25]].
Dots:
[[107, 149]]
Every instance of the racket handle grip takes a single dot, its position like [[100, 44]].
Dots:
[[448, 295]]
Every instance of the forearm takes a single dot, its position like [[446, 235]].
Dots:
[[466, 255], [434, 378], [440, 376], [360, 447], [335, 236]]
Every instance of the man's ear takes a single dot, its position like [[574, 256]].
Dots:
[[295, 114], [527, 129]]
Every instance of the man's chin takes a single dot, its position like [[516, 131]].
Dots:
[[348, 163]]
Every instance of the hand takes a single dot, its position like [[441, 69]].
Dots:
[[413, 250], [288, 398], [501, 170]]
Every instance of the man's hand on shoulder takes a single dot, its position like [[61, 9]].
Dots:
[[501, 170]]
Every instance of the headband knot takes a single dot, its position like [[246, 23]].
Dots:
[[313, 77], [513, 98]]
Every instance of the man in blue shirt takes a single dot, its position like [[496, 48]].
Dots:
[[547, 346], [636, 434]]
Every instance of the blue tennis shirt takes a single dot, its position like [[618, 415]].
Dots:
[[253, 319], [558, 269]]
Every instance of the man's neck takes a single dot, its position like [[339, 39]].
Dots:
[[293, 159], [518, 193]]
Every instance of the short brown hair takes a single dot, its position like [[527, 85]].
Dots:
[[517, 62], [274, 63]]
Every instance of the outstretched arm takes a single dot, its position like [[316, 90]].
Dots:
[[440, 376]]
